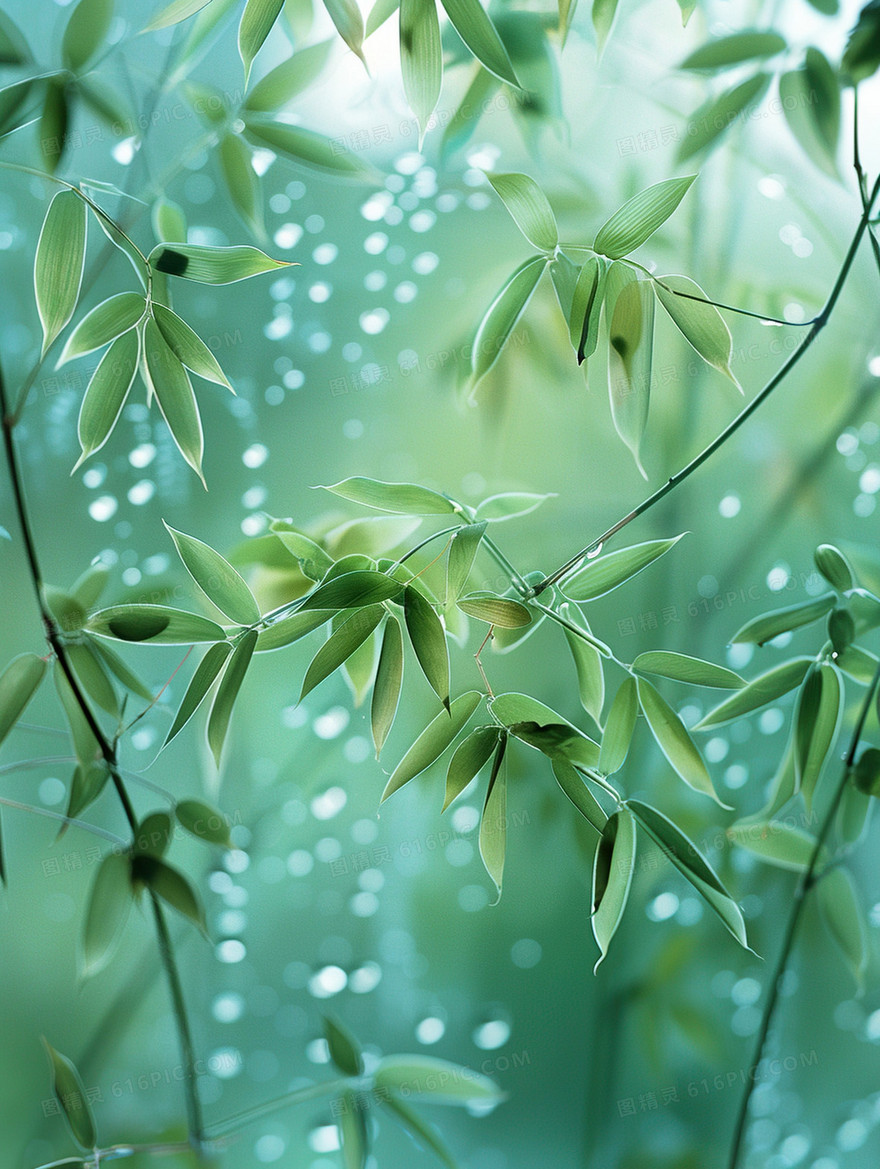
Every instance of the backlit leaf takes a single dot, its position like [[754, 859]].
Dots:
[[421, 59], [819, 711], [108, 908], [86, 32], [603, 13], [107, 393], [433, 741], [428, 639], [203, 821], [169, 381], [770, 625], [85, 745], [189, 349], [619, 727], [216, 578], [588, 664], [640, 217], [353, 632], [470, 21], [776, 842], [630, 359], [210, 264], [402, 498], [493, 822], [502, 316], [613, 868], [758, 692], [501, 611], [108, 320], [674, 740], [154, 623], [227, 692], [118, 667], [241, 180], [200, 683], [700, 324], [289, 79], [306, 147], [605, 573], [683, 668], [58, 266], [174, 13], [706, 125], [256, 24], [509, 505], [381, 11], [811, 103], [577, 791], [528, 207], [586, 308], [840, 910], [18, 684], [88, 781], [434, 1081], [462, 552], [723, 52], [71, 1095], [386, 688]]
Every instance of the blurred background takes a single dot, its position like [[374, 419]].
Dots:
[[355, 363]]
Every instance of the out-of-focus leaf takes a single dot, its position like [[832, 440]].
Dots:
[[381, 11], [216, 578], [509, 505], [58, 266], [723, 52], [313, 560], [118, 667], [13, 46], [373, 535], [153, 834], [471, 22], [428, 639], [493, 822], [85, 33], [353, 1131], [619, 727], [108, 320], [352, 633], [640, 217], [718, 114], [683, 668], [18, 684], [92, 676], [776, 842], [434, 1081], [699, 323], [463, 122], [154, 623], [169, 381], [674, 740], [306, 147], [579, 794], [171, 885], [203, 821], [819, 711], [613, 868], [85, 745], [109, 904], [842, 914], [346, 15], [835, 567], [289, 79], [603, 12], [528, 207], [866, 775], [433, 741], [210, 264], [386, 688], [88, 781], [71, 1095], [174, 13], [605, 573], [107, 393], [502, 316], [758, 692], [630, 361], [69, 614], [256, 24], [345, 1051], [853, 814], [200, 683], [811, 103], [401, 498], [227, 692], [423, 1133], [12, 99], [862, 55]]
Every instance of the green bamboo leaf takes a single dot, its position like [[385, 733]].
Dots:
[[85, 33], [58, 266], [528, 207], [288, 80], [153, 834], [601, 575], [203, 821], [13, 46], [349, 22], [189, 349], [401, 498], [674, 740], [69, 614], [106, 103], [209, 264], [502, 316], [118, 667], [542, 728], [433, 741], [493, 822], [108, 908], [723, 52], [359, 667], [683, 668], [840, 910], [158, 624], [306, 148], [603, 13], [434, 1081], [700, 324], [18, 684], [171, 885], [619, 727], [71, 1095], [853, 814], [866, 775], [460, 127], [775, 842], [106, 394], [227, 692], [352, 1126], [509, 505], [564, 275], [586, 308], [758, 692], [841, 629], [421, 59], [689, 861], [423, 1133], [12, 102], [89, 585], [371, 535], [835, 567], [862, 55], [640, 217], [353, 590], [468, 759], [718, 114], [381, 11], [313, 560], [257, 20], [88, 781], [169, 381], [386, 688], [462, 552], [216, 578], [200, 683], [769, 625], [687, 10], [85, 745], [108, 320], [578, 792], [174, 13], [121, 241], [865, 608], [241, 181], [288, 629], [428, 639], [630, 359], [817, 719], [345, 1051], [93, 677], [811, 103], [588, 664], [613, 868], [352, 633], [501, 611], [469, 19]]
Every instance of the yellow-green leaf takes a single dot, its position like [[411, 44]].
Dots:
[[386, 688], [640, 217], [701, 324], [501, 611], [256, 24], [106, 393], [401, 498], [189, 349], [154, 623], [528, 207], [471, 22], [683, 668], [174, 13], [758, 692], [604, 573], [86, 32], [818, 715], [723, 52], [203, 821], [434, 1081], [577, 791], [433, 741], [421, 58], [210, 264], [169, 381], [108, 320], [58, 266], [586, 308], [468, 759], [674, 740], [341, 644], [630, 363], [216, 578], [493, 822], [776, 842], [200, 683], [502, 316], [428, 637], [770, 625], [289, 79], [619, 727], [613, 868]]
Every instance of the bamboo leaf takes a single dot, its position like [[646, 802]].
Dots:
[[306, 147], [360, 666], [818, 715], [501, 611], [433, 741], [604, 573], [588, 664], [775, 842], [85, 33], [108, 320], [469, 19], [423, 1133], [700, 324], [85, 745], [19, 682], [288, 629], [502, 316], [434, 1081], [689, 861], [683, 668], [216, 578], [203, 821], [769, 625], [586, 308], [189, 349], [603, 13], [866, 775], [69, 614], [118, 667], [158, 624], [153, 834], [107, 393], [640, 217], [528, 207], [718, 114], [381, 11], [169, 381], [723, 52], [257, 20], [674, 740], [835, 567], [313, 560], [241, 181], [468, 759], [13, 46], [227, 692], [93, 677], [542, 728], [71, 1095], [564, 275], [462, 552], [289, 79], [619, 727], [493, 822], [353, 590], [345, 1051], [174, 13], [758, 692], [59, 261], [172, 886], [346, 15], [386, 688], [630, 359], [200, 683], [89, 780], [613, 868], [421, 59], [842, 914], [579, 794], [853, 814], [509, 505], [862, 55], [810, 99], [108, 908], [353, 632], [209, 264], [428, 639], [401, 498], [460, 127], [353, 1131]]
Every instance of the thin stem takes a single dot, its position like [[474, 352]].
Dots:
[[576, 629], [66, 820], [516, 579], [815, 328], [479, 662], [241, 1119], [806, 882], [421, 544]]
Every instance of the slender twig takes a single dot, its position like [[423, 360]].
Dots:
[[516, 579], [240, 1119], [70, 821], [816, 327], [808, 879]]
